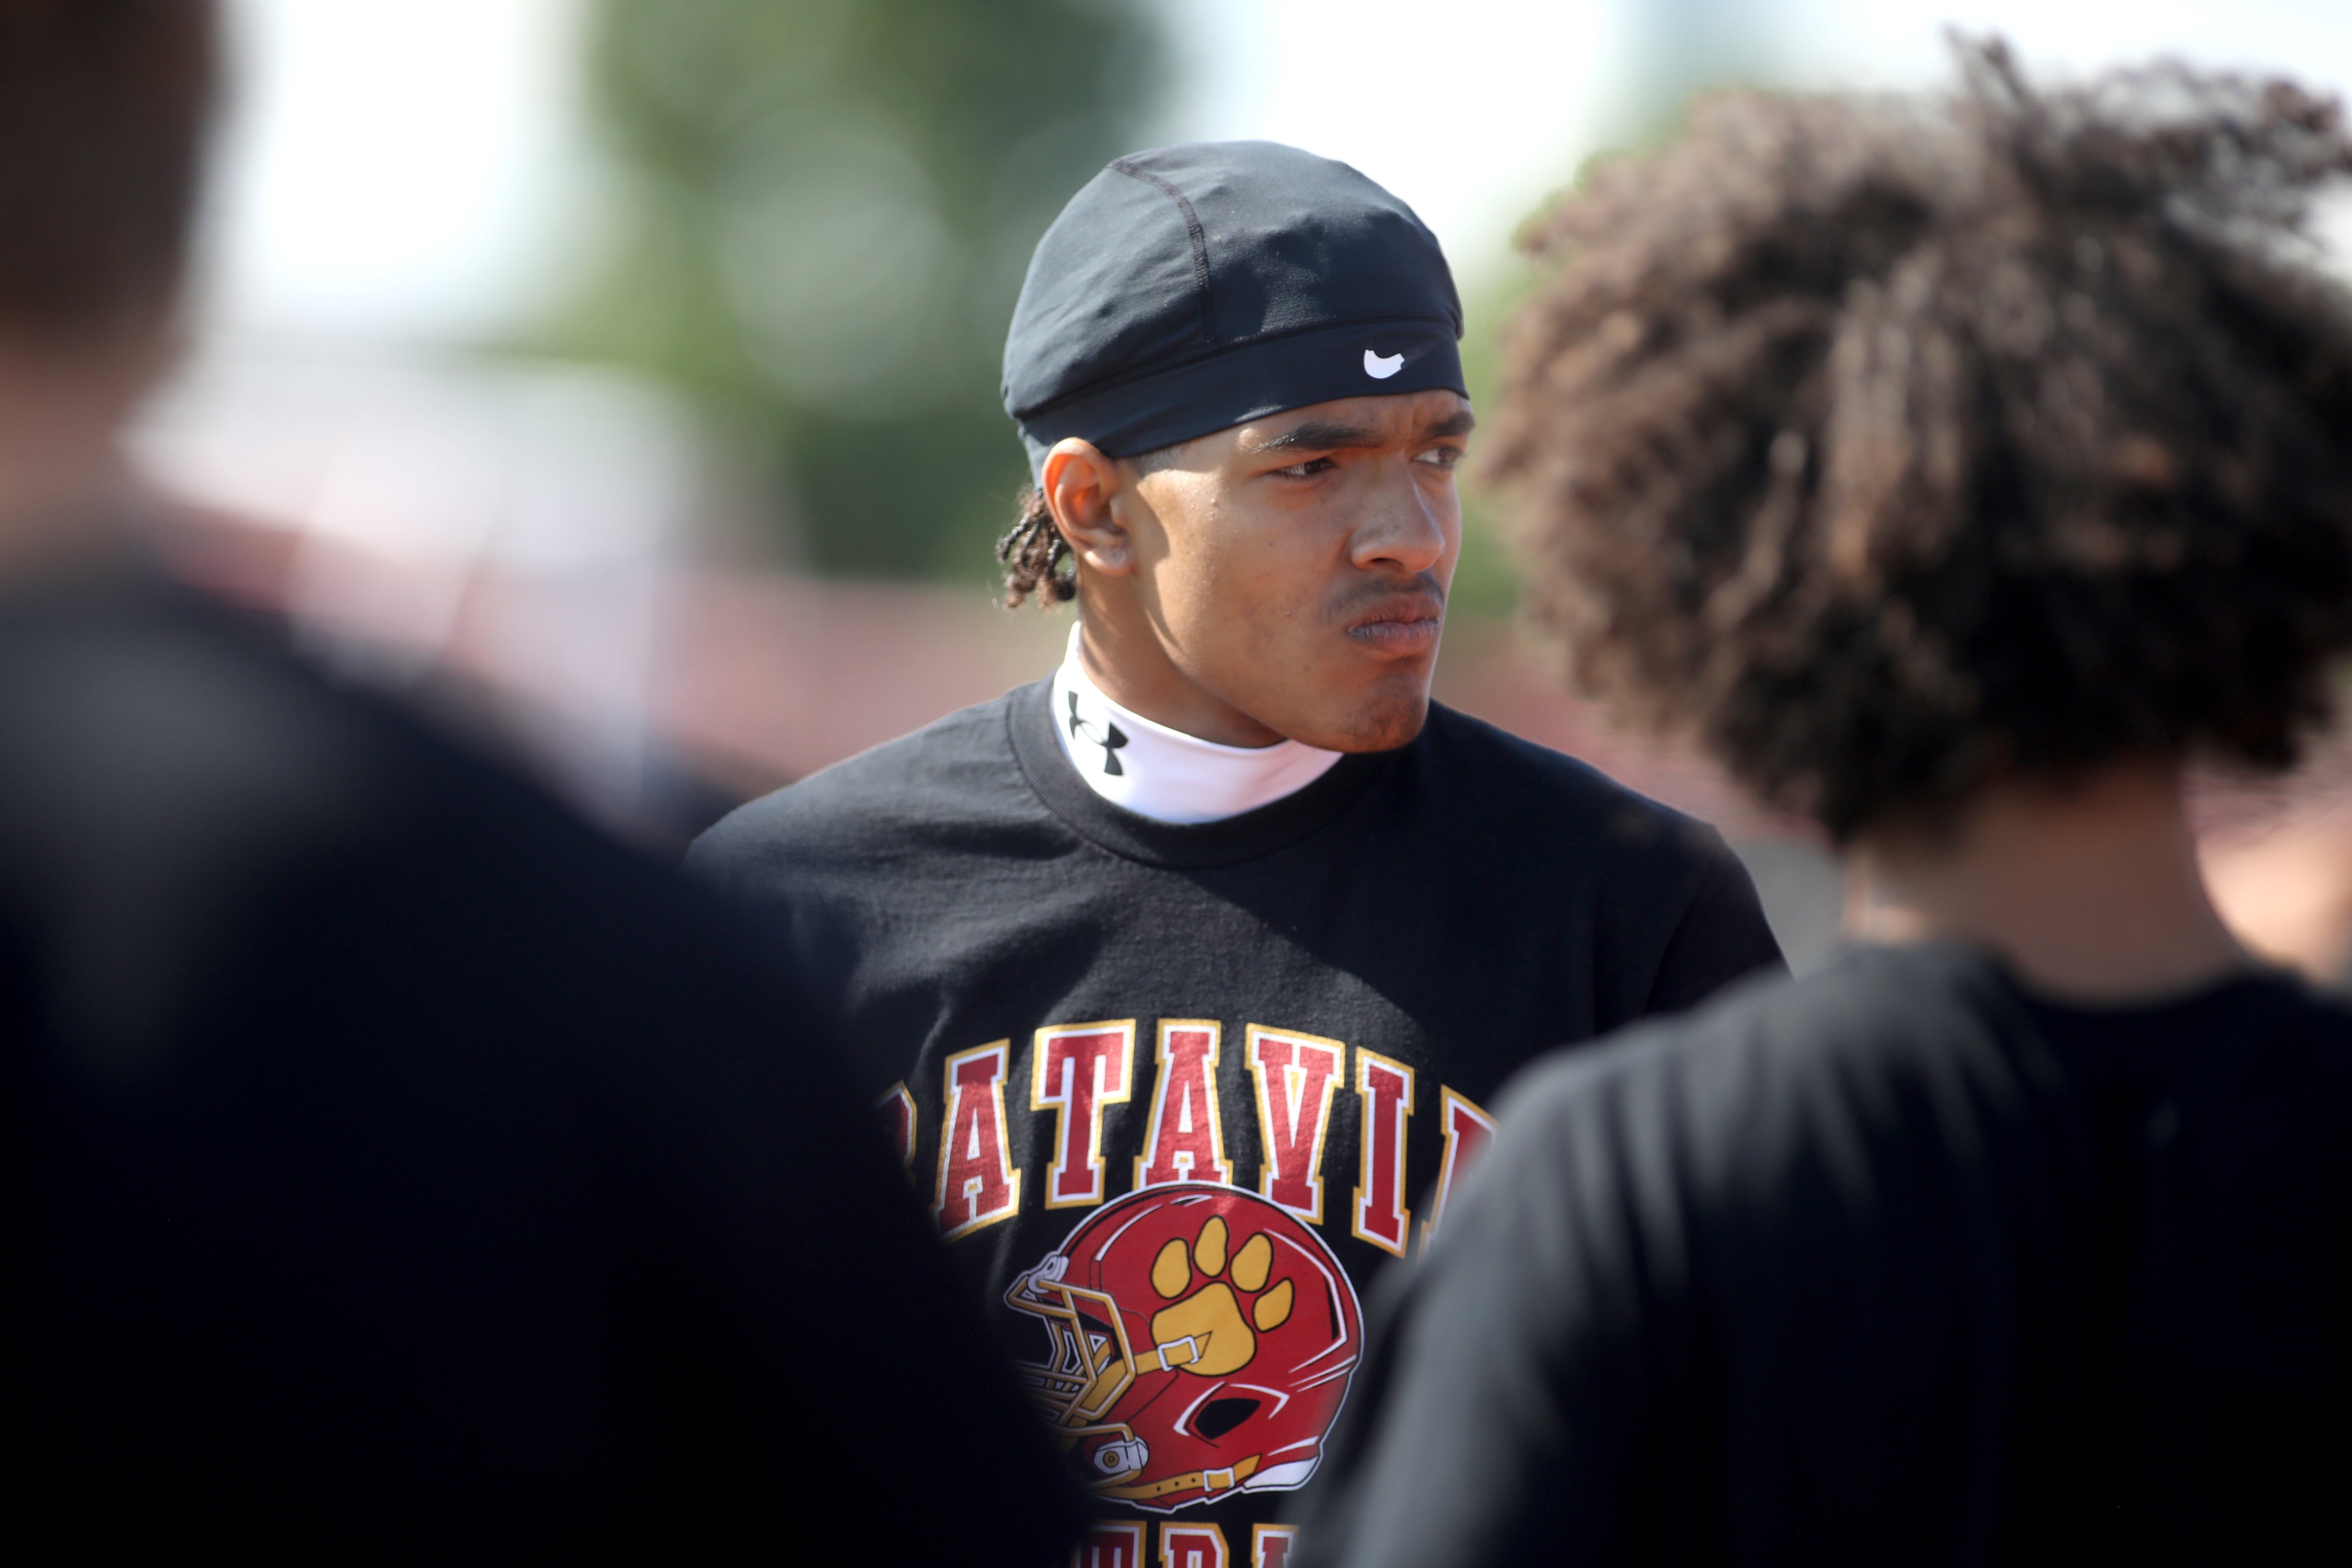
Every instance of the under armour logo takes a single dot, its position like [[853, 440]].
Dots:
[[1084, 730]]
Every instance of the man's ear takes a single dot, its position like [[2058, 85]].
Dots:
[[1079, 483]]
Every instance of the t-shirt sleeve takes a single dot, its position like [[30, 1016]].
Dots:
[[1498, 1417], [1721, 937]]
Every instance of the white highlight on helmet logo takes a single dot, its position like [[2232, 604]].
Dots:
[[1122, 1457], [1381, 369], [1188, 1344]]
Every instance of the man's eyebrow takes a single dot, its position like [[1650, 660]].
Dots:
[[1319, 435], [1331, 436]]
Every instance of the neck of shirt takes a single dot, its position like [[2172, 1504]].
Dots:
[[1164, 773]]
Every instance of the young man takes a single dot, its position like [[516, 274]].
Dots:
[[395, 1170], [1956, 472], [1183, 975]]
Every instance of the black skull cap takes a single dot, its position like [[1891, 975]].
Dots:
[[1193, 288]]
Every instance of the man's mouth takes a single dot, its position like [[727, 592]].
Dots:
[[1402, 628]]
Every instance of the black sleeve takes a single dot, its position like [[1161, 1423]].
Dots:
[[1722, 937], [853, 1401], [1498, 1415]]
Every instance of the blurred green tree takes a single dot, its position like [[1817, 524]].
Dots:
[[822, 212], [1675, 50]]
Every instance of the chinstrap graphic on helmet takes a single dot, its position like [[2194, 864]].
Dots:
[[1199, 1341]]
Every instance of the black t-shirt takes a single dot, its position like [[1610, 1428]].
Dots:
[[1175, 1092], [1896, 1265], [396, 1170]]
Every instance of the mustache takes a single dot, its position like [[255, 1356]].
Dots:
[[1380, 596]]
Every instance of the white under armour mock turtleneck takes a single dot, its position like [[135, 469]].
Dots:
[[1164, 773]]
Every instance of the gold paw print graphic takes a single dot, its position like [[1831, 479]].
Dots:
[[1208, 1332]]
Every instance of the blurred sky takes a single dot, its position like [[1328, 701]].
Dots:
[[398, 169], [419, 169]]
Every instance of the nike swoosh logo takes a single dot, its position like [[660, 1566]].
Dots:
[[1381, 369]]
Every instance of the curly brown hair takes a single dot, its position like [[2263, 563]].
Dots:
[[1887, 447], [1036, 557]]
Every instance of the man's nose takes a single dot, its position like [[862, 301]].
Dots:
[[1401, 525]]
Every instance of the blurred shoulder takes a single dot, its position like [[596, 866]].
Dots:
[[1769, 1062], [183, 776], [1896, 1048], [141, 707]]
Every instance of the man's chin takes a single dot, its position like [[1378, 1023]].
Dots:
[[1381, 727]]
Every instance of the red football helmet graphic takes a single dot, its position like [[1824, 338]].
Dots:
[[1199, 1340]]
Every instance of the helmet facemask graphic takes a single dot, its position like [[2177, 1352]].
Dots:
[[1199, 1340], [1089, 1366]]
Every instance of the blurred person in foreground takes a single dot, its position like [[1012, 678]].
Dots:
[[1956, 471], [395, 1169], [1184, 973]]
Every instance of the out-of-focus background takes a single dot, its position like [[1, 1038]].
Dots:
[[619, 376]]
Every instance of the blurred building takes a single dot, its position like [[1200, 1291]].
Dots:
[[499, 542]]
